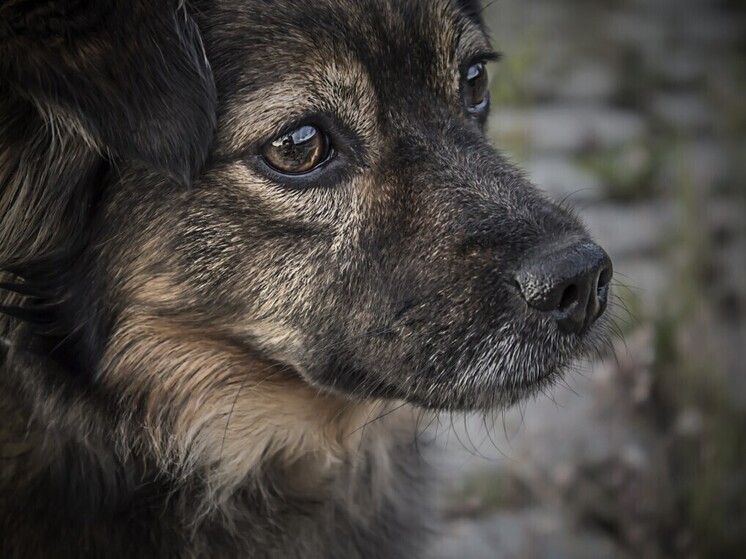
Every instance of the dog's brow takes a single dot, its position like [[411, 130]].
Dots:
[[472, 40], [251, 118], [341, 89], [457, 38]]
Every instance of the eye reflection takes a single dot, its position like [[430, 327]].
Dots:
[[476, 87], [298, 152]]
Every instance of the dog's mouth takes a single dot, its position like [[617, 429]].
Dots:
[[501, 376], [493, 371]]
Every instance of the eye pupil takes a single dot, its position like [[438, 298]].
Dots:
[[297, 152]]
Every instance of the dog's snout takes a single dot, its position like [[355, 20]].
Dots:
[[570, 283]]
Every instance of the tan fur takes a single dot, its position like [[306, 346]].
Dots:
[[211, 405]]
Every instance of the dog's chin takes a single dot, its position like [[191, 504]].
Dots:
[[480, 395], [503, 372], [474, 389]]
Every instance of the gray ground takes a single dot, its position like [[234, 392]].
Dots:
[[634, 110]]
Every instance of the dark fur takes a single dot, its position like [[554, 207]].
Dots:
[[202, 359]]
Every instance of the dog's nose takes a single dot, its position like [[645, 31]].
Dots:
[[570, 283]]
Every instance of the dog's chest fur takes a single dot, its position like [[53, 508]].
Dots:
[[63, 496]]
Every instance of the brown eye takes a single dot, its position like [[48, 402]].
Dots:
[[298, 152], [476, 82]]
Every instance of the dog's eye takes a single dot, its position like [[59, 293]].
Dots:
[[475, 92], [298, 152]]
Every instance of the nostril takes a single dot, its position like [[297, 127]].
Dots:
[[605, 277], [571, 284], [602, 285], [569, 297]]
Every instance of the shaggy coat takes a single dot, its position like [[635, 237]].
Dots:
[[206, 354]]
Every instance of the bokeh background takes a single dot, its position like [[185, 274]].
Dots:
[[633, 111]]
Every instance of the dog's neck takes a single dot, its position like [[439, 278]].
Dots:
[[64, 438]]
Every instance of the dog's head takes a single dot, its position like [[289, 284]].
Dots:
[[355, 221], [352, 227]]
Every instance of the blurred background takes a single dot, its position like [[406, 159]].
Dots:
[[633, 111]]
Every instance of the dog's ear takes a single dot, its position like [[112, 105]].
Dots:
[[130, 76]]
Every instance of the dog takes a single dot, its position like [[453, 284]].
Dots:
[[244, 244]]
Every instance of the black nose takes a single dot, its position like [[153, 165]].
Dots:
[[570, 283]]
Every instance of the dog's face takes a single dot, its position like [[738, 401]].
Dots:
[[352, 222]]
